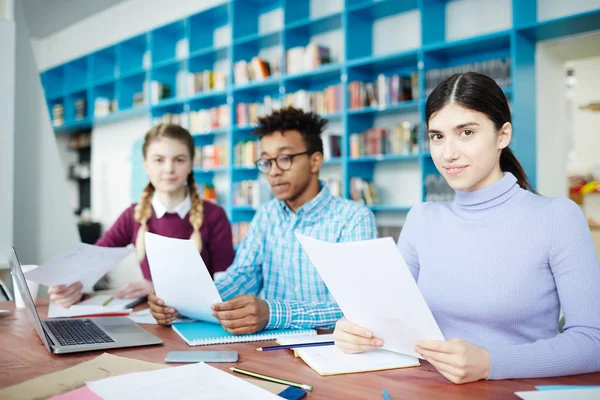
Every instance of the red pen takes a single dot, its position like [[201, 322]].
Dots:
[[117, 314]]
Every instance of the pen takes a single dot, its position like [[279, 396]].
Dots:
[[107, 301], [271, 379], [385, 395], [115, 314], [295, 346]]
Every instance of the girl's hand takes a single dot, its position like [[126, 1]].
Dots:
[[136, 289], [351, 338]]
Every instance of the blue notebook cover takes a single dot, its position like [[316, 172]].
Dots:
[[205, 333]]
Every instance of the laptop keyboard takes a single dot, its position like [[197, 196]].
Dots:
[[77, 332]]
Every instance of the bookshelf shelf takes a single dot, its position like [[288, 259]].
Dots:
[[406, 106], [216, 170], [214, 40], [389, 208]]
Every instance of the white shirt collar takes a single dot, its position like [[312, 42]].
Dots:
[[182, 209]]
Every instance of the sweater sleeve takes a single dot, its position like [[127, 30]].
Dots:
[[574, 265], [120, 233], [407, 240], [221, 242]]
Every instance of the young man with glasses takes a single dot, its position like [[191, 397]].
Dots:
[[270, 261]]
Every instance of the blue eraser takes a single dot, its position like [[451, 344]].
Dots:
[[292, 393]]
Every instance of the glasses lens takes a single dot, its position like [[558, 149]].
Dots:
[[263, 165], [284, 162]]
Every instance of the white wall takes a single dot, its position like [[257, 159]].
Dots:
[[7, 116], [550, 9], [43, 221]]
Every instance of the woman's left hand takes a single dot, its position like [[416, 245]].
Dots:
[[136, 289], [458, 360]]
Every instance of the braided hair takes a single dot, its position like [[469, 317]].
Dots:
[[143, 209]]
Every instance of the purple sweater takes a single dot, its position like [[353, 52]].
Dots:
[[217, 246], [497, 264]]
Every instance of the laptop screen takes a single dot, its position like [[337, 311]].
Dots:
[[17, 272]]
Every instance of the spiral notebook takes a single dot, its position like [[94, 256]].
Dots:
[[206, 333]]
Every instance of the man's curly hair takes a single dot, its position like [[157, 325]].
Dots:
[[309, 124]]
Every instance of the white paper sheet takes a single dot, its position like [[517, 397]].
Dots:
[[180, 277], [145, 317], [83, 263], [330, 360], [193, 381], [57, 311], [374, 288], [571, 394]]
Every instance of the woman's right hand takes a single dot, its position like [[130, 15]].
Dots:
[[164, 315], [66, 296], [351, 338]]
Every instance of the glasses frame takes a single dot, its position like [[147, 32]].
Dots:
[[274, 159]]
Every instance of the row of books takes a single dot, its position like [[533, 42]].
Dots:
[[332, 145], [326, 101], [399, 139], [159, 91], [363, 191], [248, 113], [58, 114], [201, 121], [246, 153], [210, 156], [384, 91], [256, 69], [498, 69], [251, 193], [104, 106], [437, 189], [303, 59], [205, 81]]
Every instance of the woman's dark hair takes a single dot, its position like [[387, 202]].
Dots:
[[309, 124], [480, 93]]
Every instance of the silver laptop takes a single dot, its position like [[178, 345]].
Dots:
[[63, 335]]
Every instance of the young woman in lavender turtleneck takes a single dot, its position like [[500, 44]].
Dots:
[[497, 264], [169, 206]]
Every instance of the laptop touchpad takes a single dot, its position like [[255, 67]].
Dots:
[[122, 329]]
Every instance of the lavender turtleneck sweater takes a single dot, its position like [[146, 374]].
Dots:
[[497, 265]]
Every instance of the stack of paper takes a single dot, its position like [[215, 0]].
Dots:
[[77, 310], [191, 381], [329, 360]]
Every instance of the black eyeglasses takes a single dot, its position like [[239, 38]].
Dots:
[[283, 161]]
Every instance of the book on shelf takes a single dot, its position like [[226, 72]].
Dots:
[[257, 69], [210, 156], [363, 191], [80, 108], [385, 91], [326, 101], [159, 91], [332, 145], [335, 186], [58, 114], [399, 139], [200, 121], [248, 113], [205, 81], [498, 69], [239, 232], [246, 153], [104, 106], [252, 193], [303, 59]]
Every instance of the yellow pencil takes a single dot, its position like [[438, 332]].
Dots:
[[107, 301]]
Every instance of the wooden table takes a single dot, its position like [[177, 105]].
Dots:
[[22, 357]]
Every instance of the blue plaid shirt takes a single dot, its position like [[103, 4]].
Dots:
[[271, 262]]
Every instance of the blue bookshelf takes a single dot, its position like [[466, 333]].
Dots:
[[124, 73]]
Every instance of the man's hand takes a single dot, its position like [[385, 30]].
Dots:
[[351, 338], [162, 314], [136, 289], [243, 314], [458, 360], [66, 296]]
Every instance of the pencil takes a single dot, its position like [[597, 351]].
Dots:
[[271, 379], [107, 301], [386, 396], [295, 346]]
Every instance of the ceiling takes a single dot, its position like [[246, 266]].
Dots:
[[45, 17]]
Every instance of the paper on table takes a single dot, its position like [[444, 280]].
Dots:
[[57, 311], [100, 299], [83, 263], [180, 277], [145, 317], [374, 288], [571, 394], [186, 382], [329, 360], [53, 384]]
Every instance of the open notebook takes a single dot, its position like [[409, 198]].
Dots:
[[329, 360], [201, 333]]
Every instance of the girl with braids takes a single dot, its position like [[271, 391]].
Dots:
[[169, 206], [497, 264]]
